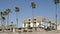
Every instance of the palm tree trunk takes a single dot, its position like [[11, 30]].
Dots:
[[34, 24], [7, 19], [17, 19], [56, 16], [33, 17]]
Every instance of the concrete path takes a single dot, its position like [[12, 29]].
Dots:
[[41, 32]]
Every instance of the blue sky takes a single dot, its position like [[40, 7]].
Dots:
[[45, 8]]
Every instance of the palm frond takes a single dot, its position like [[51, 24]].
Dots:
[[56, 1], [17, 9], [33, 5]]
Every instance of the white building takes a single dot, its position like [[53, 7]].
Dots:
[[38, 22]]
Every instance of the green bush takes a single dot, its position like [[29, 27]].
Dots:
[[48, 29], [24, 30]]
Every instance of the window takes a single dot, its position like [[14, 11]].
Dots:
[[34, 22], [49, 22], [29, 20], [0, 29], [30, 28], [34, 19], [8, 29], [19, 28]]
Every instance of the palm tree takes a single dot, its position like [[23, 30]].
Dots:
[[6, 13], [33, 5], [17, 10], [1, 17], [2, 20], [3, 14], [56, 2]]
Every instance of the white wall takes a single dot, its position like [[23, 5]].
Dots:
[[58, 27], [31, 24], [37, 24], [23, 25]]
